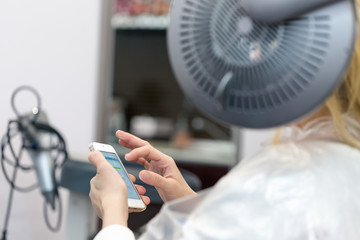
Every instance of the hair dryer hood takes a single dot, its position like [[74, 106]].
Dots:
[[255, 75]]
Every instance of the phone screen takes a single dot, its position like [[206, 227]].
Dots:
[[115, 162]]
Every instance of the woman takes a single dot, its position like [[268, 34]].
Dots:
[[302, 187]]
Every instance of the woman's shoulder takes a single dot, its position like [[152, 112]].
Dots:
[[282, 187], [296, 166], [287, 186], [303, 154]]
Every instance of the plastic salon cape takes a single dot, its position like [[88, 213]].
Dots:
[[306, 188]]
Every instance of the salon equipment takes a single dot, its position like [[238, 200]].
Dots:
[[260, 63], [45, 146]]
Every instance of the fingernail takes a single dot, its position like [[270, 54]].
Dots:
[[144, 176], [120, 136], [126, 157]]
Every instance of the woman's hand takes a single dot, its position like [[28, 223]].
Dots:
[[108, 192], [161, 170]]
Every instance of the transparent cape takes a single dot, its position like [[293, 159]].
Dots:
[[305, 188]]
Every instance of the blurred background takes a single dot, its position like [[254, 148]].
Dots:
[[100, 66]]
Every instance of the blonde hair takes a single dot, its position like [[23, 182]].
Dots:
[[346, 98]]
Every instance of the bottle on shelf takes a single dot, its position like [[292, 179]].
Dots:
[[141, 14], [142, 7]]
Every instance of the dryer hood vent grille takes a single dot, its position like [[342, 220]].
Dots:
[[273, 73]]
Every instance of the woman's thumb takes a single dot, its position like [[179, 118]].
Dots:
[[152, 178]]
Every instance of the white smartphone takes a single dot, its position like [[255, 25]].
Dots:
[[135, 202]]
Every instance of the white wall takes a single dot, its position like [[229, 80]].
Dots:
[[52, 46]]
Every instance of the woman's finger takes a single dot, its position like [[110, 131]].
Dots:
[[132, 177], [141, 161], [130, 141], [98, 160], [148, 153], [141, 189], [146, 200]]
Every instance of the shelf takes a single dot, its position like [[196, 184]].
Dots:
[[120, 21]]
